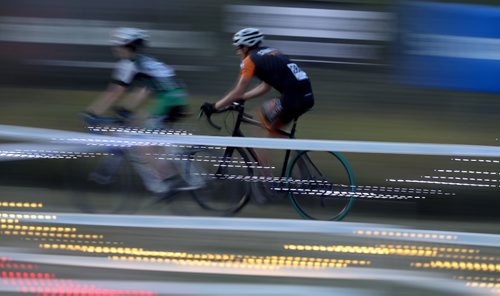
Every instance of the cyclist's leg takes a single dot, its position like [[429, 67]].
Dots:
[[277, 114], [111, 185], [169, 108], [107, 167], [272, 116]]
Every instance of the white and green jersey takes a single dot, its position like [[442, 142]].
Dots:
[[156, 75]]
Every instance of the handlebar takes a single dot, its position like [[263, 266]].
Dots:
[[238, 106], [209, 119]]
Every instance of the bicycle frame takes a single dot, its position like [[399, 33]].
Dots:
[[246, 118]]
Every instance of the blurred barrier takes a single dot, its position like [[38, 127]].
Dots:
[[150, 139], [452, 46], [360, 230], [326, 35], [415, 279], [40, 47], [92, 32]]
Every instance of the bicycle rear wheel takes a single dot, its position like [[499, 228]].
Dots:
[[321, 185], [101, 184], [226, 172]]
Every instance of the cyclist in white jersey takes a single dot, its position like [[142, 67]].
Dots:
[[149, 75], [146, 76]]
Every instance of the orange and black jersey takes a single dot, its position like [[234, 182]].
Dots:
[[276, 69]]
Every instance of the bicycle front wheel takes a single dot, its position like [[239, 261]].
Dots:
[[321, 185], [226, 173], [102, 184]]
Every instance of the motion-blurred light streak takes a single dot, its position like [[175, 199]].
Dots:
[[408, 234], [459, 265], [13, 232], [265, 225], [19, 204], [24, 216], [440, 183], [462, 179], [479, 160], [466, 172], [222, 260], [22, 279], [398, 250]]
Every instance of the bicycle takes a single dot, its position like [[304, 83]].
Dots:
[[237, 174], [108, 181]]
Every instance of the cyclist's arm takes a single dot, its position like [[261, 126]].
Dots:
[[235, 94], [112, 94], [259, 90], [124, 73]]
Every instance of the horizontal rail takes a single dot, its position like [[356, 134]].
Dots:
[[10, 132], [351, 229]]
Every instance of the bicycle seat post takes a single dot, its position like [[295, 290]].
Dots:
[[294, 127]]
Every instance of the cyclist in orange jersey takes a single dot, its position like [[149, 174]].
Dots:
[[275, 70]]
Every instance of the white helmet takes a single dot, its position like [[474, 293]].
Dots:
[[124, 36], [247, 37]]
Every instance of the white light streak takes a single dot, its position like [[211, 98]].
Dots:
[[476, 160], [461, 179], [440, 183], [466, 172]]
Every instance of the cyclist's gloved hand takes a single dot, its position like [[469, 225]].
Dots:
[[123, 113], [208, 108]]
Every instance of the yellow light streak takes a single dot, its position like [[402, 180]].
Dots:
[[17, 204], [51, 234], [478, 278], [28, 216], [377, 250], [9, 221], [208, 259], [405, 234], [458, 265], [37, 228]]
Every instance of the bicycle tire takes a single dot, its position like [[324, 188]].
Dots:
[[103, 196], [314, 195], [226, 172]]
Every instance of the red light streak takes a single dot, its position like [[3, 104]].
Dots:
[[21, 276]]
